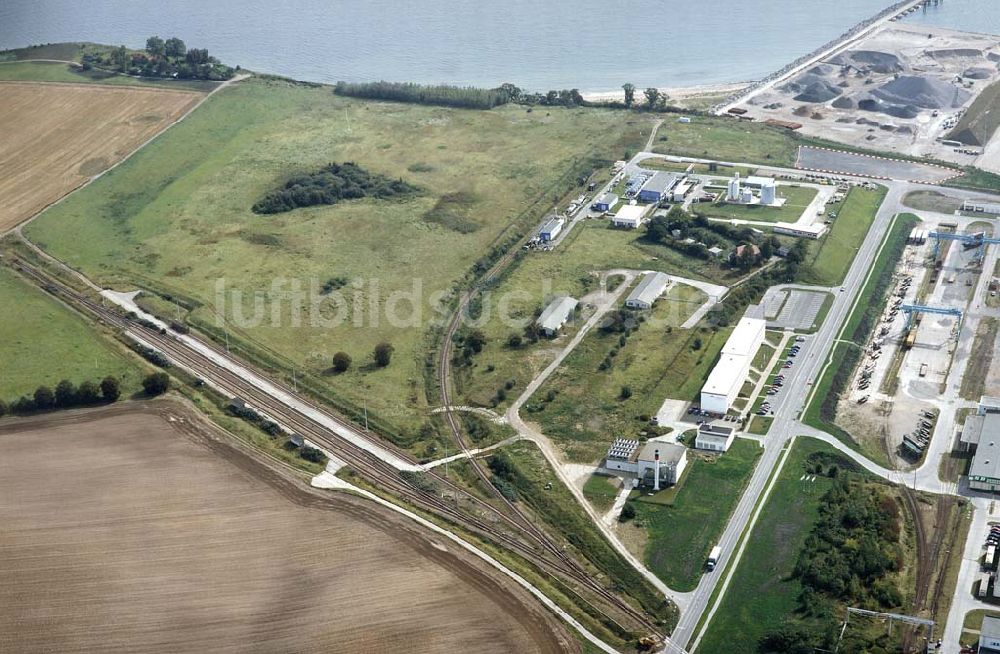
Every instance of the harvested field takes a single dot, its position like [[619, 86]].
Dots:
[[130, 529], [82, 131]]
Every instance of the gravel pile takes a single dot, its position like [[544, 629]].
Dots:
[[844, 102], [873, 60], [956, 53], [977, 72], [821, 91], [920, 91]]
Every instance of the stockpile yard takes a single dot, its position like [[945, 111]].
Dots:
[[909, 87]]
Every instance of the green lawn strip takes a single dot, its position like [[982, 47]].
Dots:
[[43, 342], [681, 534], [797, 198], [536, 484], [840, 245], [698, 168], [600, 491], [760, 425], [175, 219], [762, 594]]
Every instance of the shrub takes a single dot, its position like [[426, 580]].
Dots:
[[88, 393], [341, 362], [515, 341], [110, 389], [65, 394], [628, 513], [330, 185], [312, 454], [383, 354], [156, 383], [4, 409], [625, 393], [44, 398]]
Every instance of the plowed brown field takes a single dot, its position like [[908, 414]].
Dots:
[[53, 137], [131, 529]]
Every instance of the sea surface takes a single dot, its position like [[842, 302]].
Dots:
[[967, 15], [593, 45]]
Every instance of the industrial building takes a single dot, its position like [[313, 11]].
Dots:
[[715, 437], [551, 229], [655, 464], [742, 191], [981, 435], [981, 207], [556, 315], [636, 182], [801, 231], [681, 191], [658, 186], [629, 216], [605, 203], [648, 291], [989, 635], [728, 375]]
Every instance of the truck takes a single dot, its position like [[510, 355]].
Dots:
[[713, 558], [923, 369]]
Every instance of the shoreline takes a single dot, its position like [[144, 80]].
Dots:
[[672, 92]]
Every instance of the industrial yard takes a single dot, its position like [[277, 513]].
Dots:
[[904, 89]]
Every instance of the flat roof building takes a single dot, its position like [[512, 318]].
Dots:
[[640, 463], [657, 187], [802, 231], [551, 229], [981, 207], [989, 636], [556, 314], [648, 291], [727, 377], [605, 203], [714, 437], [629, 216], [981, 435], [756, 181]]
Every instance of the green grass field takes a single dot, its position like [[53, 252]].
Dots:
[[797, 199], [832, 257], [571, 269], [600, 490], [697, 168], [45, 71], [175, 219], [43, 342], [582, 408], [727, 139], [762, 595], [680, 535]]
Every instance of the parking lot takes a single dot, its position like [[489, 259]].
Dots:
[[855, 164], [799, 311]]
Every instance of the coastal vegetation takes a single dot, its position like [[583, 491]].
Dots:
[[161, 58], [330, 185]]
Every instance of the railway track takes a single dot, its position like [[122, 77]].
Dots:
[[544, 554]]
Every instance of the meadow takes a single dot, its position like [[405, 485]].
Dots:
[[832, 257], [43, 342], [176, 220]]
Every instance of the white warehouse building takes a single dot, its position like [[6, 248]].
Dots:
[[655, 464], [726, 379], [556, 315], [648, 291], [629, 216]]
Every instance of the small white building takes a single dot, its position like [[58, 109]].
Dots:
[[629, 216], [715, 436], [715, 251], [556, 314], [550, 230], [681, 191], [648, 291], [972, 206]]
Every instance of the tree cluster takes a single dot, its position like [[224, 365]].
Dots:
[[707, 233], [65, 396], [168, 58], [467, 97], [330, 185]]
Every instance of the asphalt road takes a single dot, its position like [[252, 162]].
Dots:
[[788, 405]]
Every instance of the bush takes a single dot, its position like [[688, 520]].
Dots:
[[156, 383], [515, 341], [383, 354], [110, 389], [4, 409], [44, 398], [88, 393], [312, 454], [625, 393], [341, 362], [628, 513]]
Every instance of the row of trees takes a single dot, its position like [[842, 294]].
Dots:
[[168, 58], [468, 97], [66, 395], [655, 100], [330, 185]]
